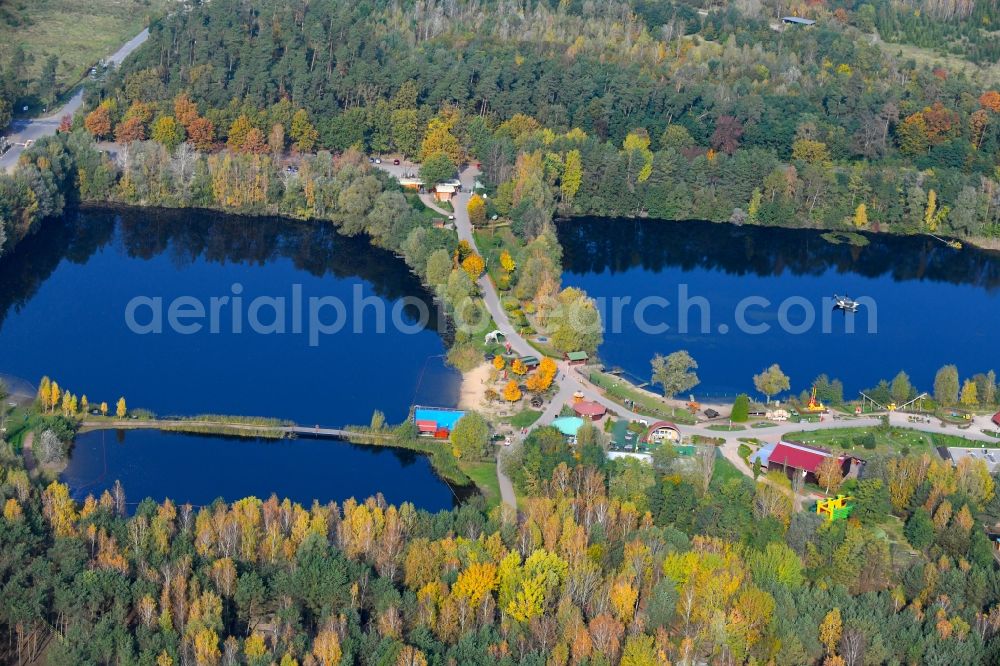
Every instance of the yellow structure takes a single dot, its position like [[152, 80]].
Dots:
[[814, 406], [834, 508]]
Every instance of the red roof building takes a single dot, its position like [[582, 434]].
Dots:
[[996, 419], [427, 427], [589, 410], [796, 455]]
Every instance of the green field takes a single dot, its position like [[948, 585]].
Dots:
[[619, 390], [484, 474], [78, 32], [932, 58], [525, 418], [724, 471], [887, 440]]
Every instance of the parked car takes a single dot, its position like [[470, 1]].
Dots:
[[396, 162], [451, 217], [378, 160]]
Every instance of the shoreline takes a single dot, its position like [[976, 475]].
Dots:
[[982, 243]]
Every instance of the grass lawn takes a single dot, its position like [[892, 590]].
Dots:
[[19, 423], [78, 32], [619, 390], [525, 418], [887, 440], [724, 471], [484, 474], [763, 424], [931, 57]]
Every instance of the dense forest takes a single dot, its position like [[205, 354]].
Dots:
[[649, 109], [685, 561], [612, 109]]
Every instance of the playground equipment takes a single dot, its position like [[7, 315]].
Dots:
[[869, 404], [834, 508], [920, 407], [814, 406]]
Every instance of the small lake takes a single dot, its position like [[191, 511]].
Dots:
[[198, 469], [79, 301], [933, 305]]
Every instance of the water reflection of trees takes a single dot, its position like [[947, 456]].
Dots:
[[190, 235], [593, 245]]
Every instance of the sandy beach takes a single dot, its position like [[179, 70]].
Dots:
[[473, 387]]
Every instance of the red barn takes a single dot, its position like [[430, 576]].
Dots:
[[791, 457]]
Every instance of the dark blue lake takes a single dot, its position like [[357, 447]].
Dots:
[[65, 297], [933, 305], [200, 468]]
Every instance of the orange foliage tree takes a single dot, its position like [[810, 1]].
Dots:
[[511, 392], [131, 130], [98, 122], [201, 133]]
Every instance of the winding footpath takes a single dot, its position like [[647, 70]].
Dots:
[[570, 381], [25, 130]]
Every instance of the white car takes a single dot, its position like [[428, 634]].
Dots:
[[378, 160]]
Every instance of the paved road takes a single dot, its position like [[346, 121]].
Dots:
[[34, 129]]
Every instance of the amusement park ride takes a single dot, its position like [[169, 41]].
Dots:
[[814, 406]]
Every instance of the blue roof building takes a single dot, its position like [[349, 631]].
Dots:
[[568, 425], [763, 454]]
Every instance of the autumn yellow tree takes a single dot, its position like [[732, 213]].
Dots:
[[861, 216], [238, 132], [639, 156], [498, 362], [970, 396], [572, 175], [120, 409], [473, 265], [104, 409], [476, 209], [439, 139], [934, 216], [303, 133], [326, 648], [476, 581], [511, 392], [518, 367], [44, 386], [829, 631], [810, 151], [54, 394], [206, 648], [507, 262]]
